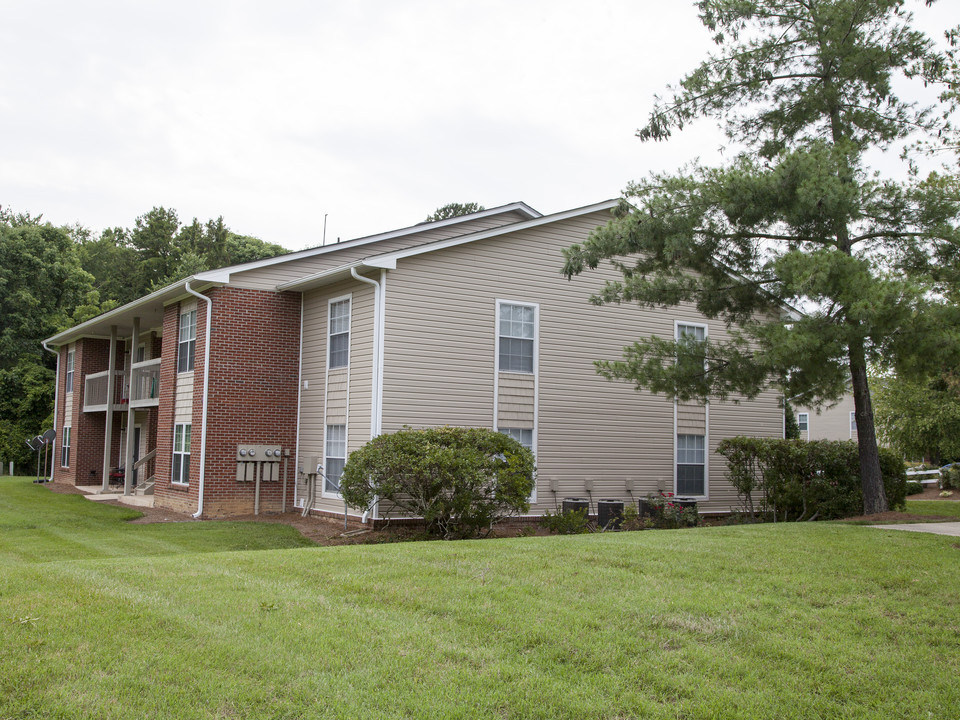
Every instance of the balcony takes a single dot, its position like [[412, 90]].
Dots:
[[95, 392], [145, 386]]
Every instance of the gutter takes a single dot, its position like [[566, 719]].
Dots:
[[206, 393], [56, 401], [376, 404]]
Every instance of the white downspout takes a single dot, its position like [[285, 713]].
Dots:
[[206, 391], [376, 397], [56, 402]]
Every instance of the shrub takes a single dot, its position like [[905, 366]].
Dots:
[[913, 487], [666, 513], [459, 480], [950, 478], [799, 480], [567, 522]]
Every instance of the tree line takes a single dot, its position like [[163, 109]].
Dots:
[[54, 277]]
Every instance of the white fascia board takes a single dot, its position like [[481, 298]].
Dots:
[[326, 277], [99, 327], [223, 274], [390, 259]]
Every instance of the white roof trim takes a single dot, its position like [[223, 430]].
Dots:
[[223, 274], [328, 276], [388, 259]]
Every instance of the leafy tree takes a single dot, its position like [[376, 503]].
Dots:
[[920, 418], [43, 289], [244, 248], [153, 238], [454, 210], [459, 480], [796, 218]]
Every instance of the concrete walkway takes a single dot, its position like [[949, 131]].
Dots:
[[937, 528], [95, 493]]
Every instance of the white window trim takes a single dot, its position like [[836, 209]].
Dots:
[[536, 336], [178, 482], [853, 423], [330, 302], [70, 371], [706, 423], [324, 493], [184, 312], [536, 376], [803, 430], [66, 442]]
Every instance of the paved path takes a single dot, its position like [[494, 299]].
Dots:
[[937, 528]]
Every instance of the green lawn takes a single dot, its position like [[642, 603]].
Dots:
[[770, 621], [934, 507]]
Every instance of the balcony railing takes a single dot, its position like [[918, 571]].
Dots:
[[95, 391], [145, 385]]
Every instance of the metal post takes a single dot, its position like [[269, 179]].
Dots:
[[108, 423], [129, 450]]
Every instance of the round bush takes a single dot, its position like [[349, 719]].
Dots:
[[459, 480]]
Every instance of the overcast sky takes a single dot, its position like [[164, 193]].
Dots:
[[273, 114]]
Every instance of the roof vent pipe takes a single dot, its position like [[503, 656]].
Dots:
[[206, 391]]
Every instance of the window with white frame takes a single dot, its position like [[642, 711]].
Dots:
[[181, 454], [690, 332], [517, 331], [65, 447], [186, 350], [71, 360], [335, 457], [853, 424], [691, 462], [524, 436], [803, 421], [338, 336]]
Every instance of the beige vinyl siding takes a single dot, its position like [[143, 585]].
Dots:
[[440, 358], [691, 418], [183, 400], [68, 399], [516, 403], [267, 278], [830, 423], [345, 396]]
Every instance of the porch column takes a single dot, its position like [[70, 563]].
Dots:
[[111, 392], [129, 450]]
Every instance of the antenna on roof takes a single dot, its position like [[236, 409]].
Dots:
[[324, 229]]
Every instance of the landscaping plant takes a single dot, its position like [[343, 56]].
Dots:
[[459, 480], [800, 480]]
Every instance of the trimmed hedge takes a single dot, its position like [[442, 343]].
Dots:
[[800, 480], [459, 480]]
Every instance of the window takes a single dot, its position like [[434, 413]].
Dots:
[[803, 421], [335, 459], [690, 465], [71, 360], [524, 436], [181, 454], [188, 341], [65, 448], [692, 362], [853, 424], [338, 340], [697, 332], [517, 327]]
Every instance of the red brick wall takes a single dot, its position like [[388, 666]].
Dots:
[[253, 392], [254, 371]]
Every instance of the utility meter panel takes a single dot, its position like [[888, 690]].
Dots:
[[258, 462]]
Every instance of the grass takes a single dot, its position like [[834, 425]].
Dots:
[[771, 621], [37, 525], [934, 507]]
